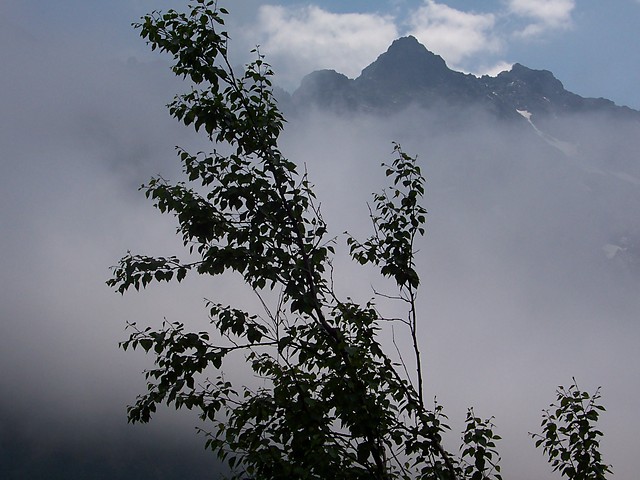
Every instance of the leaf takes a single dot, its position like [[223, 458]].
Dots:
[[146, 344]]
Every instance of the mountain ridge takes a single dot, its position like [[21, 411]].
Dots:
[[409, 74]]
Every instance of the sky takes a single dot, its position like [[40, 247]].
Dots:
[[83, 124], [588, 45]]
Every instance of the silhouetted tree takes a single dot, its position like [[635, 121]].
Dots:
[[331, 404]]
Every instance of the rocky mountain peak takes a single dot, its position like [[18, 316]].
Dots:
[[407, 63], [326, 89], [541, 82], [409, 74]]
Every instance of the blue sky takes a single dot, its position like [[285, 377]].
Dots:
[[590, 45]]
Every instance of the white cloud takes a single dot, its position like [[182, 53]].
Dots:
[[452, 33], [300, 40], [494, 69], [544, 14]]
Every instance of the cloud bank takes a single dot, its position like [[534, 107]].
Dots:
[[542, 15], [302, 39], [452, 33], [518, 294]]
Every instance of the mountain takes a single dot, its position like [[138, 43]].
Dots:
[[518, 149], [409, 74]]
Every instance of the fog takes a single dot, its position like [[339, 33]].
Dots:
[[518, 292]]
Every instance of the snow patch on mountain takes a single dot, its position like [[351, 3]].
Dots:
[[526, 115], [569, 149]]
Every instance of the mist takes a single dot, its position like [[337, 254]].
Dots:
[[519, 291], [80, 133]]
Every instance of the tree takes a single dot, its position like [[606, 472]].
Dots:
[[331, 399], [569, 437]]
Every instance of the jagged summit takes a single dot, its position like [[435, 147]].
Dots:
[[521, 81], [542, 79], [407, 63], [406, 73], [540, 92], [409, 74], [407, 43]]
